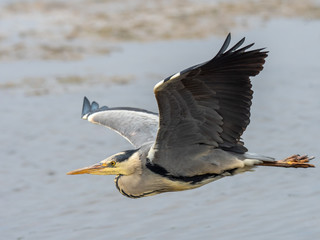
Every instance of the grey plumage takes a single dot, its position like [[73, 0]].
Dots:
[[138, 126], [195, 139]]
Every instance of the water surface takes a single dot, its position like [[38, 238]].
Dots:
[[43, 137]]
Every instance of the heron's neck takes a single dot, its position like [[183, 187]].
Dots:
[[136, 185], [132, 166]]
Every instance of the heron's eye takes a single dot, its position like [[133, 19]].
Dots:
[[113, 163]]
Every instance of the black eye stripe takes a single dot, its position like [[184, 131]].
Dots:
[[125, 155]]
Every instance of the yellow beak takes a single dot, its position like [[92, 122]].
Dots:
[[94, 169]]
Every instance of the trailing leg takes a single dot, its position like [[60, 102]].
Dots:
[[295, 161]]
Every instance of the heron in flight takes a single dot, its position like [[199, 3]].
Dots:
[[195, 138]]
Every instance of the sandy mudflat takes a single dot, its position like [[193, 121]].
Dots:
[[53, 53], [70, 30]]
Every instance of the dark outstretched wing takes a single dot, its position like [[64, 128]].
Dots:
[[138, 126], [209, 103]]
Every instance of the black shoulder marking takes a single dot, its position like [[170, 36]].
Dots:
[[190, 179]]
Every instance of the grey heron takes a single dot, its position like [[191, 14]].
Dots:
[[195, 138]]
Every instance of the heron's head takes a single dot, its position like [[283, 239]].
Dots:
[[124, 163]]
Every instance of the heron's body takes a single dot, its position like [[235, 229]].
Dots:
[[195, 139], [148, 179]]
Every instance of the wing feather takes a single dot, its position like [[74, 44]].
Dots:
[[138, 126], [207, 104]]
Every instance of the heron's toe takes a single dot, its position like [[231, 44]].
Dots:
[[298, 161]]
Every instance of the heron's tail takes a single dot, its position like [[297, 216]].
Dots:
[[295, 161]]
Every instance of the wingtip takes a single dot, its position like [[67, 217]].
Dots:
[[89, 108], [94, 106], [225, 45], [235, 48], [86, 107]]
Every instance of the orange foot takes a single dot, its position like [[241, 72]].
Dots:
[[295, 161]]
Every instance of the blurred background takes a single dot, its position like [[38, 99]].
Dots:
[[53, 53]]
